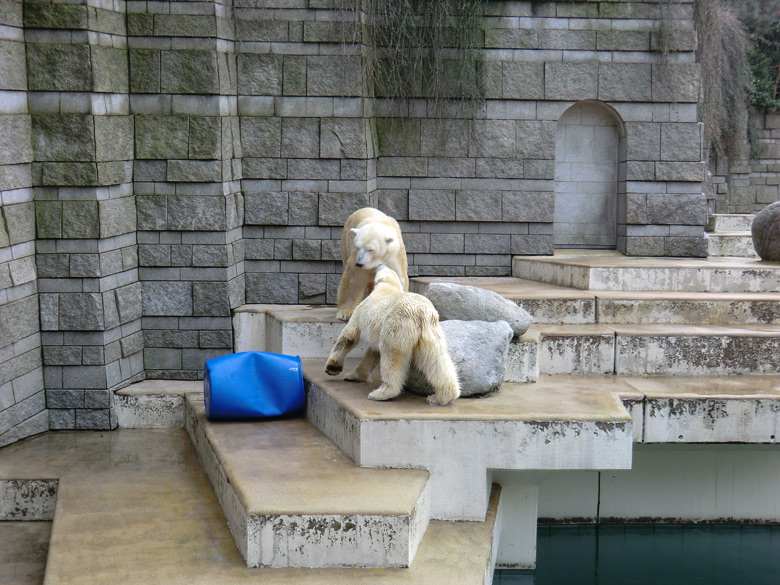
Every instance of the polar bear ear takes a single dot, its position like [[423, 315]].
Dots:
[[354, 230], [389, 240]]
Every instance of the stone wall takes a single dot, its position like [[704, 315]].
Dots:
[[22, 399], [747, 186], [178, 159]]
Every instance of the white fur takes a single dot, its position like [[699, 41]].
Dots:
[[400, 327], [369, 238]]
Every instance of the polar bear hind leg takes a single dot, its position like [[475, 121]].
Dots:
[[394, 366], [362, 373], [433, 360]]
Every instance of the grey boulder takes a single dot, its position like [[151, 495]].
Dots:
[[766, 233], [469, 303], [478, 350]]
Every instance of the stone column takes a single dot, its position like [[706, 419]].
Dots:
[[85, 212], [22, 400], [186, 181]]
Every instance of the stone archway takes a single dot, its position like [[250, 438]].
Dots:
[[587, 158]]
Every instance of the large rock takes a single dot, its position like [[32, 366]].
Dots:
[[479, 351], [469, 303], [766, 232]]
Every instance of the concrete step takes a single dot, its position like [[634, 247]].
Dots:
[[610, 270], [729, 222], [136, 504], [739, 244], [657, 350], [292, 499], [544, 426], [553, 304]]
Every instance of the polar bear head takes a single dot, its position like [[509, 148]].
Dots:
[[375, 243], [388, 276]]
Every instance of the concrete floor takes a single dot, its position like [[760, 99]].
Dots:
[[135, 507], [23, 549]]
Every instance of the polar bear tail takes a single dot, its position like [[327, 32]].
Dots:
[[433, 360]]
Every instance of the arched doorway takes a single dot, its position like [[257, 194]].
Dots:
[[587, 157]]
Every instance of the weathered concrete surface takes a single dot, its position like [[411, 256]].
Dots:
[[23, 549], [136, 503], [605, 270], [292, 499], [561, 425], [153, 404], [731, 244], [27, 499]]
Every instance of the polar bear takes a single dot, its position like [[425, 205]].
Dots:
[[399, 327], [369, 238]]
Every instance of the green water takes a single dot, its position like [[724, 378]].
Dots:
[[652, 555]]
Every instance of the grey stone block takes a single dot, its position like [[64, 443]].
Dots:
[[144, 70], [210, 299], [439, 137], [166, 298], [19, 222], [506, 38], [494, 138], [260, 136], [534, 139], [643, 140], [261, 30], [117, 216], [93, 355], [189, 72], [86, 377], [334, 75], [306, 250], [259, 74], [62, 419], [185, 25], [205, 140], [15, 144], [671, 209], [531, 206], [303, 208], [571, 81], [479, 351], [94, 419], [80, 312], [68, 174], [61, 398], [84, 265], [195, 171], [190, 212], [623, 40], [80, 219], [170, 339], [312, 288], [13, 70], [478, 205], [301, 138], [523, 81], [113, 138], [487, 244], [109, 69], [624, 82], [195, 359], [680, 171], [267, 287], [154, 255], [151, 212], [447, 244], [215, 339], [676, 82], [161, 137], [266, 208], [681, 142], [66, 137], [335, 208], [402, 166], [398, 137], [56, 67], [686, 247], [97, 399], [345, 138], [432, 205]]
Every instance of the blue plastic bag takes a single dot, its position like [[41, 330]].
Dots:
[[253, 385]]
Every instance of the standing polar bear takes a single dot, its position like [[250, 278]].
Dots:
[[370, 238], [399, 327]]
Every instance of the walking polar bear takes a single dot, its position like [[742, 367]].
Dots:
[[399, 327], [370, 238]]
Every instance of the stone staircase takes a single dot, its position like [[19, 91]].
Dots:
[[729, 235], [622, 351]]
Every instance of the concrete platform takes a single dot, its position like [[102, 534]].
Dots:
[[554, 424], [292, 499], [610, 270], [135, 506]]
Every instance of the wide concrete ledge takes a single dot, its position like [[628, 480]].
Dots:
[[553, 304], [610, 270], [292, 499], [135, 505], [557, 425], [153, 404]]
